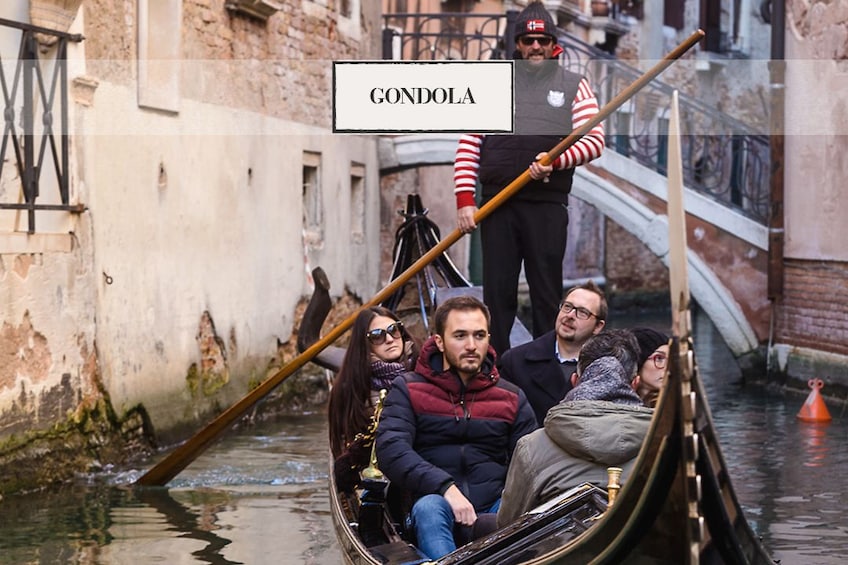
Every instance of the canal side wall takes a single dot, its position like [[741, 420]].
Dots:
[[811, 325], [212, 187]]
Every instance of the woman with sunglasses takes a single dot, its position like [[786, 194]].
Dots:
[[380, 349], [653, 362]]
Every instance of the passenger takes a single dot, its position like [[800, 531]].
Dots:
[[600, 423], [448, 429], [653, 361], [543, 367], [380, 350]]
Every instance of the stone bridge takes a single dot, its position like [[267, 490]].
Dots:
[[727, 252]]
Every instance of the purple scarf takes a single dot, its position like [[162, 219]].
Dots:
[[382, 374]]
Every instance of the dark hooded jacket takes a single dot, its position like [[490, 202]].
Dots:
[[435, 432]]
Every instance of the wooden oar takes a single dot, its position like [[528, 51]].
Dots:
[[184, 454]]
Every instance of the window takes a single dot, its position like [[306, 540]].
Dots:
[[674, 14], [726, 24], [349, 20], [357, 203], [312, 206], [37, 199], [159, 30]]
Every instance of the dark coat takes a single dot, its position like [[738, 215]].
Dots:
[[533, 366], [434, 431]]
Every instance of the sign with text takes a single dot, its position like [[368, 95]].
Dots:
[[422, 96]]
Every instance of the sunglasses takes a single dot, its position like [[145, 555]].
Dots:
[[378, 336], [543, 41]]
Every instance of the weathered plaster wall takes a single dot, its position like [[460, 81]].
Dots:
[[812, 322], [201, 213], [47, 351], [816, 129], [186, 269]]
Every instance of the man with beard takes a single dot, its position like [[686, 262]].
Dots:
[[543, 367], [532, 226], [448, 429]]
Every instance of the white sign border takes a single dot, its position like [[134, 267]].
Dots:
[[422, 130]]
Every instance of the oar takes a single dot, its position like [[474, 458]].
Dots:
[[184, 454]]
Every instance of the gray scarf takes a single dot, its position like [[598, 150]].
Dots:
[[604, 379]]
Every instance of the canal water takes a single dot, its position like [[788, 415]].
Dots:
[[258, 496]]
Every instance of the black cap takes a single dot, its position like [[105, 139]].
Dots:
[[535, 19], [649, 341]]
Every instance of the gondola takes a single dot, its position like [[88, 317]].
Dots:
[[677, 506]]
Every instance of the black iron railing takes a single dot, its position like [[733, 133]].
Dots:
[[723, 158], [40, 132]]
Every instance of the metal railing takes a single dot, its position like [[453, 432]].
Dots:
[[724, 158], [41, 131]]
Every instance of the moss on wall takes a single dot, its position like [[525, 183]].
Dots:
[[87, 440]]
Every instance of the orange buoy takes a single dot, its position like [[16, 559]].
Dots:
[[814, 408]]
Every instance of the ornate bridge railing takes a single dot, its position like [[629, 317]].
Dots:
[[724, 158], [40, 132]]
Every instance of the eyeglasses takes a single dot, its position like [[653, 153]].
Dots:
[[660, 360], [579, 312], [378, 336], [543, 41]]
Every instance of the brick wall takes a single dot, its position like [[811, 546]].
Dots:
[[814, 309], [630, 266], [281, 67]]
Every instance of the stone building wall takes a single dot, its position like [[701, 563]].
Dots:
[[177, 290], [811, 326]]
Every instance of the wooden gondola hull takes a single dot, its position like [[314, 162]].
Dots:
[[677, 505], [645, 525]]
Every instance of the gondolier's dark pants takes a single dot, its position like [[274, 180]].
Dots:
[[534, 233]]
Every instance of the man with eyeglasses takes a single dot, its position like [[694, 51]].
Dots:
[[543, 367], [532, 227], [448, 429]]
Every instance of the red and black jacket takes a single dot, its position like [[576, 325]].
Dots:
[[434, 431]]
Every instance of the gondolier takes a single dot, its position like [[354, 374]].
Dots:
[[532, 227]]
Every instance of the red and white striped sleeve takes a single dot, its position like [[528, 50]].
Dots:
[[590, 146], [465, 166]]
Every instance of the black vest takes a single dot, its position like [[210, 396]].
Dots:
[[543, 98]]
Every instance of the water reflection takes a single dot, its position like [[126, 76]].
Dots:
[[180, 518], [786, 473], [814, 441], [258, 496]]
